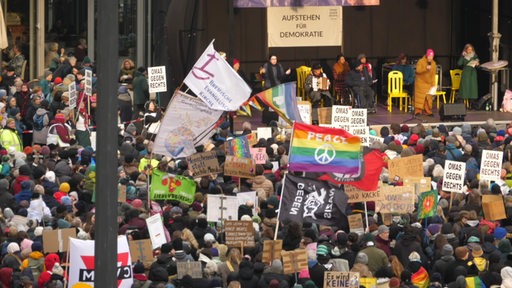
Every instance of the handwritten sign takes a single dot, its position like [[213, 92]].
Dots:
[[399, 168], [324, 116], [490, 169], [72, 95], [205, 163], [423, 183], [358, 117], [194, 269], [397, 199], [355, 223], [156, 231], [340, 117], [335, 279], [453, 178], [142, 251], [121, 193], [259, 155], [304, 111], [294, 261], [88, 82], [357, 195], [239, 233], [157, 79], [241, 167], [271, 250]]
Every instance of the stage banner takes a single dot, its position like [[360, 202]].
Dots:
[[283, 3], [214, 81], [304, 26], [81, 263]]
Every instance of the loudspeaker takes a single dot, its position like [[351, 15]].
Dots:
[[455, 111]]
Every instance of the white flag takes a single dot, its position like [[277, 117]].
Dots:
[[214, 80], [187, 123], [81, 262]]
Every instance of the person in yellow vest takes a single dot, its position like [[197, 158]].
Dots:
[[9, 136]]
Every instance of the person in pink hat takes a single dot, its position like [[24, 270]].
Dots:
[[424, 83]]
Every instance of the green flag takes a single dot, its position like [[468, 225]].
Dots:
[[166, 186], [427, 204]]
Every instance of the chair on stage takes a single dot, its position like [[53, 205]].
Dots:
[[439, 92], [395, 90], [302, 74], [455, 76]]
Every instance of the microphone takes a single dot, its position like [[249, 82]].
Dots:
[[429, 63]]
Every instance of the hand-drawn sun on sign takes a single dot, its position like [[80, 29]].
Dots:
[[325, 153]]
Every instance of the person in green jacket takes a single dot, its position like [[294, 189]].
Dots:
[[140, 92], [468, 82]]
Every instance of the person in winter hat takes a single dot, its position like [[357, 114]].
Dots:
[[49, 262], [63, 191], [35, 260], [26, 191]]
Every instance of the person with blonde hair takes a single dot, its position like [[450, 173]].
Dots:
[[127, 71], [231, 264]]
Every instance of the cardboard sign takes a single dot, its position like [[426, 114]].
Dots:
[[271, 250], [205, 163], [357, 195], [397, 199], [121, 193], [259, 155], [156, 231], [453, 178], [409, 166], [57, 240], [305, 111], [294, 261], [157, 79], [372, 139], [494, 207], [490, 169], [324, 115], [423, 183], [340, 117], [72, 95], [142, 251], [355, 223], [88, 82], [387, 218], [264, 132], [239, 233], [252, 138], [241, 167], [221, 207], [189, 268], [334, 279], [358, 117]]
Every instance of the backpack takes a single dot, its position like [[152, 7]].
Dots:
[[39, 122]]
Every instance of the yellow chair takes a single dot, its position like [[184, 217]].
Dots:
[[395, 90], [455, 77], [439, 92], [302, 74]]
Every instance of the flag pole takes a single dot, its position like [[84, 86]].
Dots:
[[366, 215]]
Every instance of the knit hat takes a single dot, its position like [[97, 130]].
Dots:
[[322, 250], [413, 139], [468, 149], [64, 187], [37, 246], [13, 247], [137, 203], [130, 129], [208, 237], [500, 233], [361, 258], [28, 150], [477, 250], [50, 176], [415, 257], [473, 239], [447, 250], [38, 231], [176, 210], [57, 81], [272, 200], [60, 118], [429, 52], [394, 282], [87, 60], [138, 268], [57, 269], [383, 229], [304, 274]]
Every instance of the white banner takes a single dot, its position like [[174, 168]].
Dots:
[[304, 26], [453, 178], [222, 207], [490, 169], [81, 263], [214, 80], [340, 117], [187, 123], [156, 231], [157, 81]]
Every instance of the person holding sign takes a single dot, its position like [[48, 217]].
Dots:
[[317, 87]]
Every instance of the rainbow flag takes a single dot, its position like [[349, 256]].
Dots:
[[322, 149], [474, 282], [427, 204], [238, 147], [420, 279], [282, 99]]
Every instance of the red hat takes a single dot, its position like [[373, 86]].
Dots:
[[414, 139], [60, 118], [28, 150], [57, 81], [236, 61], [430, 52]]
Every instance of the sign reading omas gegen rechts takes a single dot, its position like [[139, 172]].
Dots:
[[304, 26], [157, 79]]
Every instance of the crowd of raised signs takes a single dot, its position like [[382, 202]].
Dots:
[[46, 187]]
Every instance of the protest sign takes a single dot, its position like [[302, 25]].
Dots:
[[453, 178], [324, 115], [72, 95], [241, 167], [142, 250], [490, 169], [221, 207], [335, 279], [397, 199], [250, 196], [294, 261], [202, 164], [194, 269], [368, 282], [264, 132], [239, 233], [121, 193], [88, 82], [252, 138], [423, 183], [305, 111], [57, 240], [157, 79], [355, 223], [271, 250], [340, 117], [399, 167], [259, 155], [156, 231], [166, 186], [238, 147], [372, 139], [494, 207], [357, 195], [358, 117], [363, 133]]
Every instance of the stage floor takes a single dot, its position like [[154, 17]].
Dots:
[[383, 117]]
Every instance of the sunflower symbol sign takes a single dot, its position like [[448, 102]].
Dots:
[[325, 153]]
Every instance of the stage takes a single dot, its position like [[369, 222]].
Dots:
[[384, 118]]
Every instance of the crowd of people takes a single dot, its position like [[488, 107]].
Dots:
[[47, 181]]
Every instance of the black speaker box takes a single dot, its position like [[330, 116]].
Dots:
[[455, 111]]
